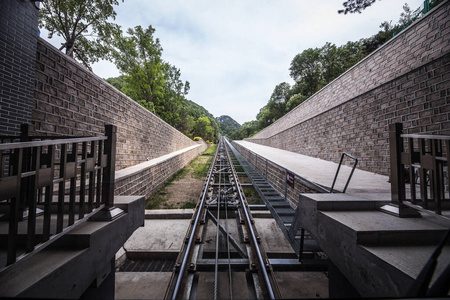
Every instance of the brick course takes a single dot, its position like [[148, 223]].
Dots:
[[149, 179], [71, 100], [18, 27], [410, 85]]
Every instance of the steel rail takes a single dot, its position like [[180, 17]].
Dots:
[[219, 197], [262, 264], [194, 230], [230, 281]]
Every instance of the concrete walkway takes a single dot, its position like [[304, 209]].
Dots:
[[322, 172]]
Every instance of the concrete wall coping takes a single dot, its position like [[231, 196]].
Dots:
[[123, 173]]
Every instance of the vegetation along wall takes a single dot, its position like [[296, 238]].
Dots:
[[72, 101], [406, 80]]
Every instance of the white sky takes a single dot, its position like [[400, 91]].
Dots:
[[235, 52]]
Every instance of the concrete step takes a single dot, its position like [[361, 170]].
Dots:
[[169, 213], [346, 202], [279, 203], [378, 228], [285, 211]]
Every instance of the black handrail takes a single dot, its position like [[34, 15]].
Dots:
[[36, 170], [339, 167], [425, 155]]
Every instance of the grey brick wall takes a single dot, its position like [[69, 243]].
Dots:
[[18, 35], [149, 180], [407, 80], [71, 100]]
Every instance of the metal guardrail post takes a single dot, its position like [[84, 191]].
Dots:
[[266, 168], [110, 212], [285, 184], [110, 169], [397, 177]]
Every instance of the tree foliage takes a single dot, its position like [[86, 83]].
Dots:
[[314, 68], [354, 6], [83, 24], [138, 56], [156, 84], [228, 127]]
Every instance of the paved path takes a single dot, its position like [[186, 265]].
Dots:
[[322, 172]]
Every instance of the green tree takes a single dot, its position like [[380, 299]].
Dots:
[[248, 129], [170, 107], [353, 6], [84, 25], [117, 82], [276, 106], [306, 67], [295, 101], [138, 56], [203, 129]]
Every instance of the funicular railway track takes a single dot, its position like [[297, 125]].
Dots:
[[222, 256]]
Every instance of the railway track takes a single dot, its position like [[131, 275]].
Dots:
[[222, 256]]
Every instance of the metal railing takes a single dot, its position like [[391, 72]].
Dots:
[[418, 13], [344, 154], [35, 172], [419, 163]]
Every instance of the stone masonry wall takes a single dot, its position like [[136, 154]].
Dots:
[[18, 35], [71, 100], [407, 80]]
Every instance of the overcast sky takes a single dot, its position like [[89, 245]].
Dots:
[[234, 52]]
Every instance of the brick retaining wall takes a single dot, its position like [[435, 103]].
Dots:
[[71, 100], [148, 179], [407, 80], [18, 34]]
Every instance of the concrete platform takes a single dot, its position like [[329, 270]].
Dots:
[[320, 171], [158, 238], [142, 285], [379, 254]]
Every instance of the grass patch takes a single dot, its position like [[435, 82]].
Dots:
[[197, 168], [210, 151], [200, 170], [156, 201], [179, 175], [252, 196], [190, 204]]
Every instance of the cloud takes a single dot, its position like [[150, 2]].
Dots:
[[235, 52]]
